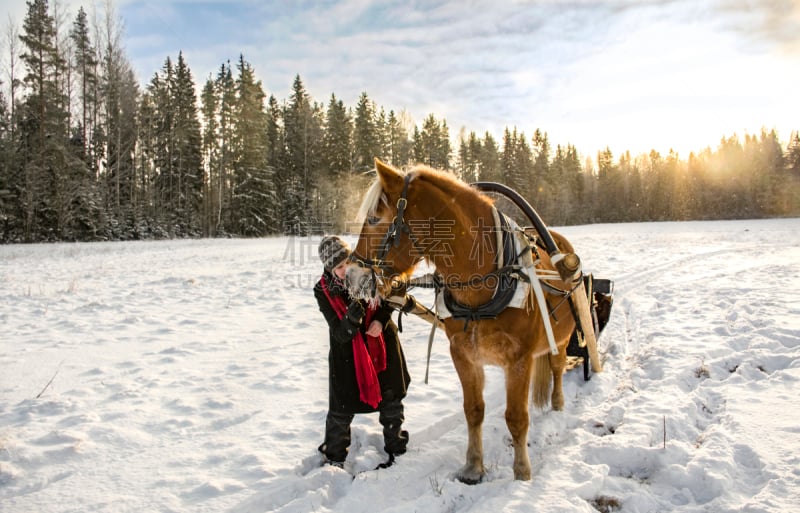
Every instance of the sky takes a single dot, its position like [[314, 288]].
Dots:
[[190, 376], [623, 74]]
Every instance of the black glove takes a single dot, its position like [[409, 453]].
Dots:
[[409, 304], [336, 286], [355, 313]]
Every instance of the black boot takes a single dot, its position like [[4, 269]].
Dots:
[[337, 438], [391, 418]]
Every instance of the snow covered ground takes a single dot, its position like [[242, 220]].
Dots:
[[190, 376]]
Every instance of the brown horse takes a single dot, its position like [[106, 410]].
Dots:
[[427, 214]]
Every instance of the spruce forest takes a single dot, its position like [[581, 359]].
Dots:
[[88, 153]]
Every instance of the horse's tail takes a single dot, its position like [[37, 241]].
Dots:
[[541, 381]]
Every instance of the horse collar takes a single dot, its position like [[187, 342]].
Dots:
[[506, 276]]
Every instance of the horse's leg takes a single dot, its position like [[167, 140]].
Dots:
[[541, 381], [472, 379], [558, 363], [518, 380]]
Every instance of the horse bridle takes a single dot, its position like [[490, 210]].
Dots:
[[397, 227]]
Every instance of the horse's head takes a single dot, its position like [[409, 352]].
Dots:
[[385, 252]]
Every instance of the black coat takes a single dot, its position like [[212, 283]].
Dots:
[[342, 384]]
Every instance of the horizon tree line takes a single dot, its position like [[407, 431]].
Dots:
[[86, 153]]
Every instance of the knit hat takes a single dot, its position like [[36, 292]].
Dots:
[[333, 251]]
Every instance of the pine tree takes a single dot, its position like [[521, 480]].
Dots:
[[562, 201], [630, 204], [678, 183], [174, 144], [793, 155], [398, 151], [337, 158], [120, 95], [161, 151], [146, 146], [209, 111], [337, 165], [276, 158], [789, 196], [469, 155], [444, 150], [432, 143], [187, 151], [303, 125], [228, 153], [523, 170], [83, 214], [576, 183], [771, 166], [253, 196], [381, 135], [732, 173], [544, 189], [489, 160], [86, 68], [7, 210], [610, 197], [659, 193], [44, 127], [517, 164], [465, 165], [507, 158], [336, 140], [316, 122], [365, 135], [293, 220]]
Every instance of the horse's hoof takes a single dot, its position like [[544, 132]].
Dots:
[[469, 480], [470, 476], [522, 476]]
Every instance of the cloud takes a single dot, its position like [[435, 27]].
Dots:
[[764, 22], [624, 73]]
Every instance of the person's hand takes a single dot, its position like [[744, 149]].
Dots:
[[355, 312], [375, 329]]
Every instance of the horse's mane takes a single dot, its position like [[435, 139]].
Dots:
[[448, 183], [370, 202]]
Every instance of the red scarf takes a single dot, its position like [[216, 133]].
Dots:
[[369, 357]]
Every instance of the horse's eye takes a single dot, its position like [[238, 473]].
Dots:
[[373, 220]]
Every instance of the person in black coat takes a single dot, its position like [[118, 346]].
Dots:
[[366, 366]]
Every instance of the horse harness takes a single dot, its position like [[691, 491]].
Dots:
[[507, 275]]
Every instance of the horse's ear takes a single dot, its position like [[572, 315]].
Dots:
[[391, 178]]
